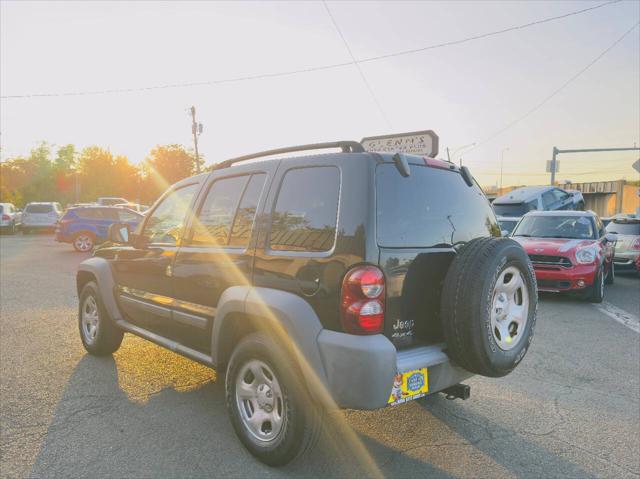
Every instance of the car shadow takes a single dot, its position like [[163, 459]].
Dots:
[[103, 428]]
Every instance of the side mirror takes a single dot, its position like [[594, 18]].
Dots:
[[611, 237], [119, 233], [504, 233]]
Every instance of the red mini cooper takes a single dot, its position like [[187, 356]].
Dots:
[[570, 251]]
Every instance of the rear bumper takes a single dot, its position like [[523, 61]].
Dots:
[[576, 278], [360, 369]]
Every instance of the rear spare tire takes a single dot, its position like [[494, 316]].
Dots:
[[489, 304]]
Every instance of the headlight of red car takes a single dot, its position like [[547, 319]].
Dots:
[[586, 255]]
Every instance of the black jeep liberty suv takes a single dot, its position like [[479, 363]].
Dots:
[[354, 279]]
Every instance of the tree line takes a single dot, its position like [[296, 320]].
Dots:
[[68, 175]]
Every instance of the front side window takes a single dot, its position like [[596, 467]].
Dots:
[[305, 215], [548, 199], [127, 216], [214, 221], [560, 195], [166, 223], [245, 216]]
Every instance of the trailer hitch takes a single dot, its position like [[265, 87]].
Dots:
[[457, 391]]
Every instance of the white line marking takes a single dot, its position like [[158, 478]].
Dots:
[[621, 316]]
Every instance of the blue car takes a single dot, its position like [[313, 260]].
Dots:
[[86, 226]]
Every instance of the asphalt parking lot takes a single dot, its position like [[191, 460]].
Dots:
[[571, 409]]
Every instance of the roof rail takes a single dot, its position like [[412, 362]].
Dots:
[[346, 146]]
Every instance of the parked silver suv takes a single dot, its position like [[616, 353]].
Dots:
[[40, 216]]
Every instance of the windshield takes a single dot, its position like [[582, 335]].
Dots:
[[507, 225], [514, 209], [624, 228], [431, 207], [575, 227], [47, 208]]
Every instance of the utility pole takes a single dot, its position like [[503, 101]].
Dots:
[[552, 165], [196, 129], [501, 166]]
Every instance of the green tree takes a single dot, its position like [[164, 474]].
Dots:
[[165, 165], [102, 174]]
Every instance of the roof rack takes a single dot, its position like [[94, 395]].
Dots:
[[346, 146]]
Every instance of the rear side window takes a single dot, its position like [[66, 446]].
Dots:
[[430, 208], [305, 215], [39, 209]]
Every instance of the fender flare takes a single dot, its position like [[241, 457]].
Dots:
[[287, 316], [100, 269]]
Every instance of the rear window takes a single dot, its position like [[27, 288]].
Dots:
[[431, 207], [514, 209], [624, 228], [39, 209], [306, 211]]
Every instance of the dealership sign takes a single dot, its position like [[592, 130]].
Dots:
[[423, 143]]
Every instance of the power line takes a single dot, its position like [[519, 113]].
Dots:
[[556, 91], [353, 58], [310, 69]]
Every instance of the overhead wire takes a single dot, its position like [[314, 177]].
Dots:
[[355, 63], [312, 68], [556, 91]]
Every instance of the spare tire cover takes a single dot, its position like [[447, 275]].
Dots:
[[489, 305]]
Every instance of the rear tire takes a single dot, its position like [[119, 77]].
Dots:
[[271, 410], [84, 241], [99, 335], [489, 305]]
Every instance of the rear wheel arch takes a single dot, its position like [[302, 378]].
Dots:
[[285, 317]]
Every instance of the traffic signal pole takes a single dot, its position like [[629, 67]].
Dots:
[[557, 151]]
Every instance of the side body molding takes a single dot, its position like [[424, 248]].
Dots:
[[101, 270]]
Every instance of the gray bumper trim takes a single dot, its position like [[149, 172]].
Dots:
[[360, 369]]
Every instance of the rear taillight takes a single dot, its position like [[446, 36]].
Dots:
[[362, 301], [636, 244], [6, 217]]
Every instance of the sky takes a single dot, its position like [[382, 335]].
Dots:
[[467, 93]]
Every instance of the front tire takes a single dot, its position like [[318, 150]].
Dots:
[[270, 408], [595, 293], [100, 337], [611, 274]]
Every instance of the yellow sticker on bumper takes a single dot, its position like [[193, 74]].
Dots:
[[409, 385]]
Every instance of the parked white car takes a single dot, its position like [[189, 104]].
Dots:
[[10, 218], [40, 216]]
